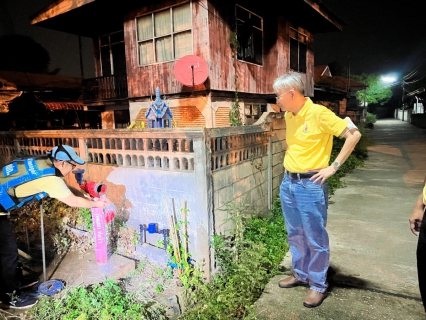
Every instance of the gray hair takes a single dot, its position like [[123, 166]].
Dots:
[[290, 80]]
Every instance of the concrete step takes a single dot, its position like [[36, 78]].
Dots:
[[81, 269]]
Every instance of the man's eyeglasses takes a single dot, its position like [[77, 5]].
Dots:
[[279, 97], [72, 164]]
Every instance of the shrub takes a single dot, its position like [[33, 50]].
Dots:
[[371, 118]]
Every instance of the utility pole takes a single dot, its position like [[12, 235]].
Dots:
[[402, 99]]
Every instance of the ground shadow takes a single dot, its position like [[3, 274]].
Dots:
[[337, 279]]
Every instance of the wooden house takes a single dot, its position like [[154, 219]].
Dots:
[[137, 45], [41, 101], [338, 93]]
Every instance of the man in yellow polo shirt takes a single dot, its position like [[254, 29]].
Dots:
[[60, 163], [418, 228], [304, 197]]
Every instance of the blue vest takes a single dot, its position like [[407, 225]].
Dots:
[[21, 171]]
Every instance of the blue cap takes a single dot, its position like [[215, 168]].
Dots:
[[66, 153]]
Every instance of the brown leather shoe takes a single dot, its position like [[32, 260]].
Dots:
[[290, 282], [314, 299]]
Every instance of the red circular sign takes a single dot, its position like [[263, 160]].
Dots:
[[191, 70]]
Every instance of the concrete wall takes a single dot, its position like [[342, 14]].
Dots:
[[247, 167], [403, 115], [144, 168], [418, 108]]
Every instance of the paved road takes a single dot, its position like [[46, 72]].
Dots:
[[372, 248]]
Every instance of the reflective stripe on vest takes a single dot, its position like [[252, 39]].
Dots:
[[32, 172]]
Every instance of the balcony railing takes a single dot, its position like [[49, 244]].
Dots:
[[105, 88]]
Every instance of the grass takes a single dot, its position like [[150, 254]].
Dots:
[[247, 259]]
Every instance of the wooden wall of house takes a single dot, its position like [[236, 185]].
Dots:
[[212, 23], [98, 68], [142, 80], [252, 78]]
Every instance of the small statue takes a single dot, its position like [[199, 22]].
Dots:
[[158, 113]]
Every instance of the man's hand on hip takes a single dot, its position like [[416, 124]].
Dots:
[[323, 174]]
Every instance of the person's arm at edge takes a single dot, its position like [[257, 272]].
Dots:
[[417, 213], [83, 202], [352, 136]]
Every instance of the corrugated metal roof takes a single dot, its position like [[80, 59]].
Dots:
[[64, 105]]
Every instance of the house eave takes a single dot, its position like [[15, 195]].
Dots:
[[57, 8], [88, 18], [91, 18], [327, 15]]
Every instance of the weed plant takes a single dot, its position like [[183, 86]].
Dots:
[[107, 300], [84, 218], [246, 259]]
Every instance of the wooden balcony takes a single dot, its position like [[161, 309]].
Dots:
[[105, 88]]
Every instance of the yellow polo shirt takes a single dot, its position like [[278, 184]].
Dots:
[[309, 137], [424, 194], [54, 186]]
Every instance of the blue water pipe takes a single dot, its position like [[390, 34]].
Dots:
[[153, 228], [78, 174], [175, 266]]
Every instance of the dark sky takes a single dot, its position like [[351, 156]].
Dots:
[[62, 47], [380, 36]]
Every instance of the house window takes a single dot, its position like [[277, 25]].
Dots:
[[249, 35], [112, 54], [164, 35], [252, 112], [297, 51], [121, 118]]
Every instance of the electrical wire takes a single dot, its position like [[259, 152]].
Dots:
[[416, 70]]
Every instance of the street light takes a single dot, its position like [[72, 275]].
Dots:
[[389, 78], [393, 80]]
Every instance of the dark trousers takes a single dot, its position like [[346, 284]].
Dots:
[[421, 260], [8, 258]]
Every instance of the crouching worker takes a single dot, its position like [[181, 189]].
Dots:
[[20, 182]]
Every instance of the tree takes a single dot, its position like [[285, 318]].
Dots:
[[22, 53], [376, 93]]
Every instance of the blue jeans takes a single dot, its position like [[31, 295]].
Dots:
[[304, 206]]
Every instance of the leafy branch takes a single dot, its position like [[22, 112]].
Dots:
[[234, 113]]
